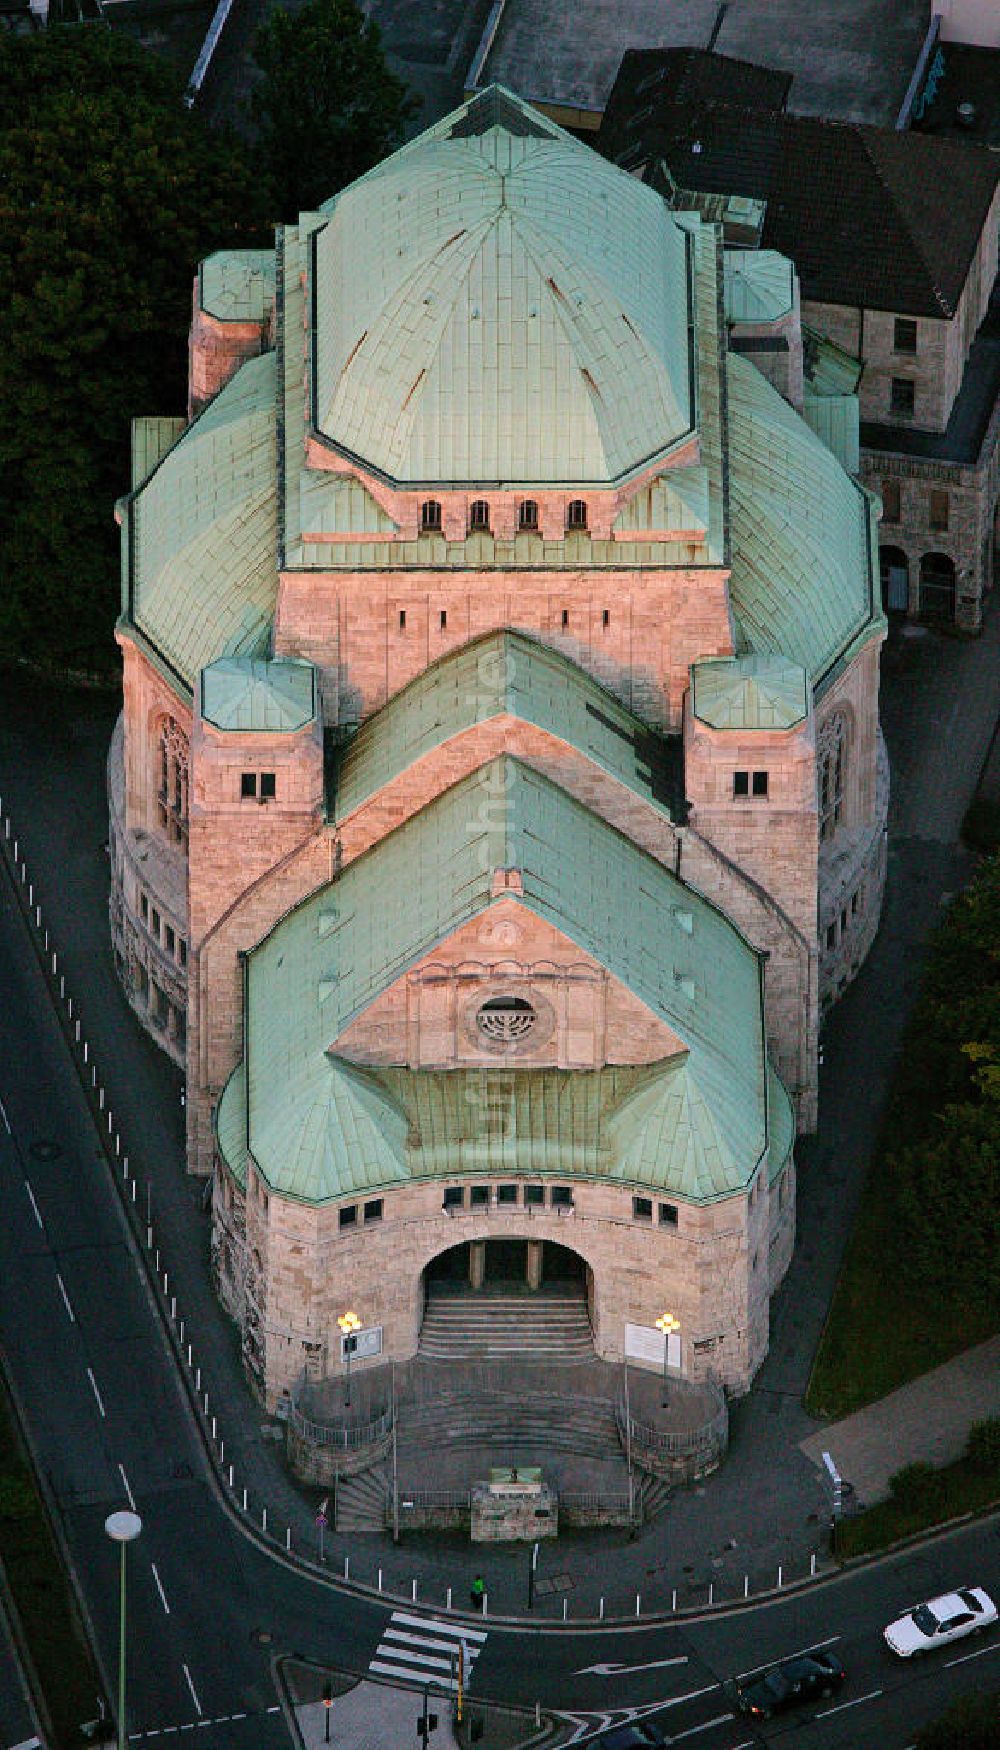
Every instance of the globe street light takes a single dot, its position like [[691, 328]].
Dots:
[[350, 1325], [670, 1328], [122, 1528]]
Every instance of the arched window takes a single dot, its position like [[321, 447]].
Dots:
[[830, 765], [527, 516], [576, 514], [172, 796], [430, 516], [505, 1020], [479, 514]]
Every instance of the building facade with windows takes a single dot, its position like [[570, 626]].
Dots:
[[499, 795]]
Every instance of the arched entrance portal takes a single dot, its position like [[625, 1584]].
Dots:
[[510, 1296], [937, 587], [895, 570]]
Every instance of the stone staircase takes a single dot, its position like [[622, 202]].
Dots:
[[361, 1501], [508, 1423], [543, 1327]]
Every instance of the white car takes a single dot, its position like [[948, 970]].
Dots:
[[941, 1621]]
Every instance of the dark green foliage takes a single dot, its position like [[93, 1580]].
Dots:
[[981, 826], [983, 1449], [327, 108], [920, 1496], [971, 1723], [110, 192]]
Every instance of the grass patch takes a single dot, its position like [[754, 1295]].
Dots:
[[971, 1723], [943, 1494], [42, 1595], [981, 826]]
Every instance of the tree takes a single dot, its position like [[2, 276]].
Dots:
[[327, 107], [110, 193]]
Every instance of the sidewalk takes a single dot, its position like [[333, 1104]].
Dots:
[[766, 1505]]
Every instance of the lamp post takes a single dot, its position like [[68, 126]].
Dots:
[[670, 1328], [350, 1325], [122, 1528]]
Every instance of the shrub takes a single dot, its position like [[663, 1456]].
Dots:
[[981, 826], [983, 1450]]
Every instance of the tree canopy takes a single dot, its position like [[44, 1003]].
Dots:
[[327, 107], [110, 193]]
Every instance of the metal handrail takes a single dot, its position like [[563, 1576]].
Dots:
[[434, 1498], [675, 1444], [346, 1439]]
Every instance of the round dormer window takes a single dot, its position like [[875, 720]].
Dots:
[[506, 1020]]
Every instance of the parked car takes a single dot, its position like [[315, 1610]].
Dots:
[[640, 1735], [789, 1684], [941, 1621]]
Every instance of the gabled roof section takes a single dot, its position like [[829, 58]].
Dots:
[[506, 673], [328, 959], [245, 693], [803, 585], [495, 303], [750, 692], [201, 576]]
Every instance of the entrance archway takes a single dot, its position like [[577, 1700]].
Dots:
[[508, 1296], [507, 1266], [894, 567], [937, 587]]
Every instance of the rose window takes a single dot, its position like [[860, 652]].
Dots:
[[506, 1020]]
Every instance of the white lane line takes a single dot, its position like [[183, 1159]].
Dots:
[[816, 1645], [964, 1660], [273, 1710], [194, 1693], [159, 1588], [6, 1125], [393, 1635], [841, 1705], [128, 1491], [62, 1291], [34, 1205], [239, 1716], [100, 1405], [719, 1720]]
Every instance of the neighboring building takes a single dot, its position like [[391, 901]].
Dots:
[[894, 237], [499, 795]]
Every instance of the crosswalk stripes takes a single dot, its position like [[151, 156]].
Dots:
[[423, 1649]]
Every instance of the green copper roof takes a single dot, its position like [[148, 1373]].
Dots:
[[151, 439], [329, 958], [495, 302], [802, 584], [829, 369], [836, 420], [760, 285], [504, 673], [750, 692], [237, 285], [676, 501], [243, 692], [202, 580]]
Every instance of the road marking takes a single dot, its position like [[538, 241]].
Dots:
[[719, 1720], [6, 1125], [964, 1660], [816, 1645], [62, 1291], [194, 1692], [159, 1588], [450, 1628], [841, 1705], [131, 1497], [100, 1405], [34, 1205], [417, 1648], [621, 1670]]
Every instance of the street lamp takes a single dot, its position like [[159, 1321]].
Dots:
[[670, 1328], [350, 1325], [122, 1528]]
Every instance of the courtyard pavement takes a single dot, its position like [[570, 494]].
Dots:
[[766, 1505]]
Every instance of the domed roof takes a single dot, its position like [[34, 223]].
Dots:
[[497, 303]]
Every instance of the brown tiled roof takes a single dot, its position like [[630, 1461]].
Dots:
[[873, 217]]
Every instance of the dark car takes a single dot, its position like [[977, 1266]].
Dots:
[[640, 1735], [789, 1684]]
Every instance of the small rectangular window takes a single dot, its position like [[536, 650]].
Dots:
[[901, 397], [182, 949], [267, 784], [854, 905], [668, 1215], [479, 1196], [831, 935], [156, 923], [144, 907], [349, 1215], [248, 784], [606, 618], [760, 783], [642, 1208], [454, 1197], [939, 510], [843, 922], [170, 939], [402, 619], [565, 617], [534, 1195], [507, 1194], [373, 1209], [890, 501], [904, 338], [741, 783], [562, 1197], [444, 619]]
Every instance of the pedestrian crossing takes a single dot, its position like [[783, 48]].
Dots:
[[423, 1649]]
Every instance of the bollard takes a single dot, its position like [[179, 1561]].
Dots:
[[93, 1076], [230, 1476], [565, 1608], [380, 1579], [263, 1518], [125, 1172], [347, 1567], [166, 1282], [111, 1122], [779, 1577], [62, 989], [181, 1334], [244, 1500], [638, 1604], [38, 917], [222, 1445], [414, 1591], [157, 1266], [197, 1380], [31, 893], [673, 1599], [85, 1049], [538, 1713], [812, 1566], [206, 1403], [711, 1592], [118, 1146], [288, 1537], [448, 1605], [69, 1011], [601, 1610], [173, 1306], [189, 1355], [78, 1024], [485, 1604], [100, 1097], [746, 1585], [133, 1190]]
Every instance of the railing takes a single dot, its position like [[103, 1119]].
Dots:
[[343, 1439], [420, 1498], [710, 1437], [575, 1501]]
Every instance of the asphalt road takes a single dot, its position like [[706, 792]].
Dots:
[[209, 1611]]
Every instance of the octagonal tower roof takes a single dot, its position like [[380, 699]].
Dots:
[[495, 303]]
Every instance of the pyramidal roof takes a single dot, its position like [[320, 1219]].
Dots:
[[497, 303], [752, 692]]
